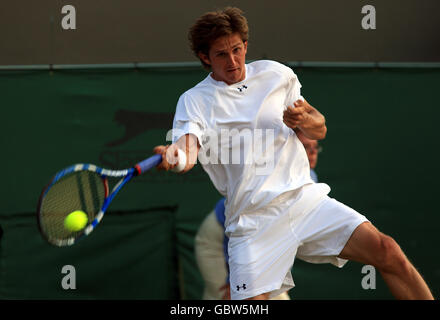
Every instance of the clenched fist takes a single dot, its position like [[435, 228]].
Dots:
[[306, 118], [296, 116]]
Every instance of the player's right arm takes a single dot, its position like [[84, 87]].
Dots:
[[187, 143]]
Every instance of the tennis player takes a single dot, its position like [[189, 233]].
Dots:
[[279, 213]]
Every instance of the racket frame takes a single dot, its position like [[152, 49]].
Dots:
[[126, 175]]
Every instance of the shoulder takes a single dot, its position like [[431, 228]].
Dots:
[[271, 66], [196, 101], [197, 93]]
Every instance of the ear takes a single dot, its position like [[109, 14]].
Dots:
[[204, 58], [245, 43]]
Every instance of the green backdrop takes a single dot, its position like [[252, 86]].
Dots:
[[379, 157]]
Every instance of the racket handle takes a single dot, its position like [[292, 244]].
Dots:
[[147, 164]]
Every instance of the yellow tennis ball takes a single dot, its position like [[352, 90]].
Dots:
[[75, 221]]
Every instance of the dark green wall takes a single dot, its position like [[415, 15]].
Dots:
[[379, 157]]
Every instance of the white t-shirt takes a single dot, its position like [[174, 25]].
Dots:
[[248, 152]]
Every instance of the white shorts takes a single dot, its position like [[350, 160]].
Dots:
[[210, 258], [261, 259]]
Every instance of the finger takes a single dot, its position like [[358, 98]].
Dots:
[[288, 119], [163, 150], [298, 103], [164, 165], [291, 124], [293, 117], [289, 115], [295, 111], [298, 110], [159, 149], [290, 110]]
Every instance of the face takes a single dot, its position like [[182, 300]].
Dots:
[[227, 57], [311, 147]]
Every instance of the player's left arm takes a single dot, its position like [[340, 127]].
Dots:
[[306, 118]]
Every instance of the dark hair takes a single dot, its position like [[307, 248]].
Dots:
[[212, 25]]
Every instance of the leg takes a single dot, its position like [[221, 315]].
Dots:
[[369, 246]]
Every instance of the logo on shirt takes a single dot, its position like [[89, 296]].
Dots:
[[242, 88], [242, 287]]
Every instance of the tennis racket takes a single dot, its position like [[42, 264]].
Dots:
[[85, 188]]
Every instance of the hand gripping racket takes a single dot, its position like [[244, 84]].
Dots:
[[81, 188]]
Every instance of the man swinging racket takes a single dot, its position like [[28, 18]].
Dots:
[[276, 213]]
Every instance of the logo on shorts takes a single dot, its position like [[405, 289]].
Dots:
[[242, 287], [242, 88]]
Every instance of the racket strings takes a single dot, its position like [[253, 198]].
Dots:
[[81, 190]]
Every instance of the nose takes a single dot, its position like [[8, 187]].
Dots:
[[231, 59]]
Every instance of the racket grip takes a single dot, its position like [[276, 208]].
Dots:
[[147, 164]]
